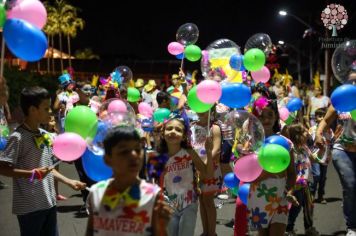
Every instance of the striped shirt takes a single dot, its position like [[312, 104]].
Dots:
[[22, 152]]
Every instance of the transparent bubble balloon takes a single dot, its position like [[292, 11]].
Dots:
[[187, 34], [117, 117], [261, 41], [122, 75], [215, 62], [344, 60], [247, 131]]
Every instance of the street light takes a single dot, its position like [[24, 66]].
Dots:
[[282, 13], [280, 42]]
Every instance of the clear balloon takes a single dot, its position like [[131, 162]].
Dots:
[[215, 62], [116, 118], [261, 41], [343, 60], [247, 131], [122, 75], [187, 34]]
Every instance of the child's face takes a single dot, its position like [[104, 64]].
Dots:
[[174, 132], [43, 112], [319, 118], [126, 158], [267, 118]]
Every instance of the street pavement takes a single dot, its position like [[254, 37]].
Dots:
[[328, 218]]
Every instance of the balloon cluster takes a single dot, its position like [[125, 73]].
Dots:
[[22, 26]]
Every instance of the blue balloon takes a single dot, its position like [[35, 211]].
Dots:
[[101, 132], [242, 68], [147, 125], [343, 98], [95, 167], [277, 139], [294, 104], [236, 62], [180, 56], [235, 95], [244, 191], [3, 142], [25, 40], [231, 180]]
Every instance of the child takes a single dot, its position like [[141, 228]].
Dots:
[[29, 162], [179, 177], [125, 204], [267, 202], [301, 196], [319, 169], [210, 185]]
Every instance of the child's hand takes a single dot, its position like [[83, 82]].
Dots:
[[44, 171], [163, 213], [76, 185], [292, 199]]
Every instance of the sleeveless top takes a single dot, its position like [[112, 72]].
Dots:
[[347, 138], [126, 214]]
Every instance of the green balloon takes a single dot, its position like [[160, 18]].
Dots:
[[254, 59], [4, 131], [353, 115], [133, 94], [234, 191], [273, 158], [81, 120], [161, 114], [192, 53], [289, 120], [2, 16], [195, 104]]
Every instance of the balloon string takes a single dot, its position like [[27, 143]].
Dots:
[[181, 63], [161, 198], [2, 56], [209, 122]]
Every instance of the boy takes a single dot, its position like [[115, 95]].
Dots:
[[28, 159]]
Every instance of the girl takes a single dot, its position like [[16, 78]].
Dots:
[[125, 204], [267, 203], [210, 185], [179, 177]]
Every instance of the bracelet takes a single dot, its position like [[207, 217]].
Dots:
[[32, 175], [39, 175]]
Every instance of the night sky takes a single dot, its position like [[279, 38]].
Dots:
[[143, 29]]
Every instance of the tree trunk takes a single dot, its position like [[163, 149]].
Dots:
[[61, 49], [69, 51], [48, 57], [52, 55]]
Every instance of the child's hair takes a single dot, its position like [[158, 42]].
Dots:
[[118, 134], [184, 144], [320, 112], [295, 133], [162, 96], [32, 96]]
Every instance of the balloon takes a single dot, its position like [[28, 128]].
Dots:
[[289, 120], [3, 143], [161, 114], [180, 56], [215, 62], [124, 74], [261, 41], [236, 62], [2, 16], [209, 91], [133, 94], [25, 40], [31, 11], [353, 115], [247, 168], [101, 132], [273, 158], [112, 119], [235, 95], [235, 191], [81, 120], [117, 106], [195, 104], [95, 166], [187, 34], [4, 131], [277, 139], [175, 48], [231, 181], [247, 131], [69, 146], [343, 60], [147, 125], [192, 52], [343, 97], [294, 104], [254, 59], [283, 113], [244, 191], [145, 109], [261, 76]]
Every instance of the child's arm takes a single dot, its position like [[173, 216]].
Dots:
[[291, 174], [161, 215], [74, 184], [8, 170]]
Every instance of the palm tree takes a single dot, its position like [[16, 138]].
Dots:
[[86, 54], [70, 28], [50, 29]]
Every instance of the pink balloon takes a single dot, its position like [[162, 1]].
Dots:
[[69, 146], [209, 91], [283, 113], [117, 106], [262, 75], [31, 11], [145, 109], [175, 48], [247, 168]]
